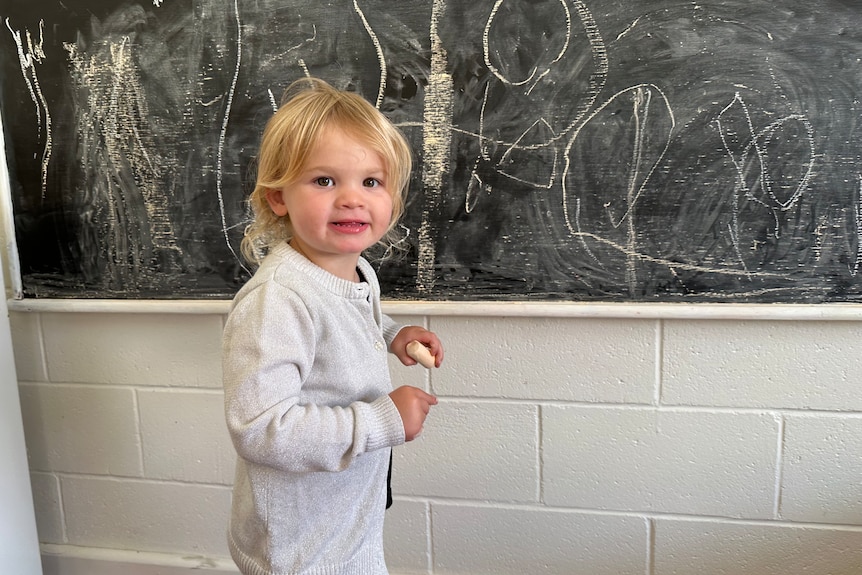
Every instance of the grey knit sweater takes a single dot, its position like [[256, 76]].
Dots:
[[306, 384]]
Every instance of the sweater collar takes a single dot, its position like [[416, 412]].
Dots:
[[329, 281]]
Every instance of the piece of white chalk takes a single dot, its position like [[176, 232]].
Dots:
[[421, 354]]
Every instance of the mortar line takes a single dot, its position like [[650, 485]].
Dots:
[[429, 538], [650, 558], [659, 361], [779, 467], [540, 455]]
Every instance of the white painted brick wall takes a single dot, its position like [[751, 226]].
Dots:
[[775, 364], [152, 350], [407, 535], [484, 451], [822, 469], [491, 540], [184, 436], [570, 446], [46, 500], [712, 547], [548, 358], [125, 513], [81, 429], [687, 462]]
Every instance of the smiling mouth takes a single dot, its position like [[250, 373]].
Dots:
[[350, 225]]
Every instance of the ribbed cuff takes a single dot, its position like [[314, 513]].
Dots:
[[389, 430], [390, 329]]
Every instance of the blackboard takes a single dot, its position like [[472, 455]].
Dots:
[[581, 150]]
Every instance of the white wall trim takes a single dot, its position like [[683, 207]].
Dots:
[[719, 311], [73, 560]]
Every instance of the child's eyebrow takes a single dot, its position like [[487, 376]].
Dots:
[[317, 168], [381, 171]]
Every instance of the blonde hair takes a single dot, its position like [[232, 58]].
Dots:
[[309, 106]]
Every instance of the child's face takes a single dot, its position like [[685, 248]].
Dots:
[[340, 205]]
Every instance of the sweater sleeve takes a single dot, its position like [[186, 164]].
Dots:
[[264, 366], [390, 329]]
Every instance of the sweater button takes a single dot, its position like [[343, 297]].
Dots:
[[378, 345]]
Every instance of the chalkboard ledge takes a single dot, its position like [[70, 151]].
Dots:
[[789, 312]]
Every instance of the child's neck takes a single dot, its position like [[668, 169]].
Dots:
[[343, 266]]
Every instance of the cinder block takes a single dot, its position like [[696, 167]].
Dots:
[[494, 541], [46, 501], [81, 429], [134, 349], [415, 375], [486, 451], [27, 346], [822, 469], [775, 364], [146, 515], [593, 360], [185, 436], [644, 459], [405, 537], [409, 320], [754, 549]]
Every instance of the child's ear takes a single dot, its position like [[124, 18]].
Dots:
[[275, 199]]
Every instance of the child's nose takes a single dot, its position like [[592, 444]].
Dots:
[[351, 195]]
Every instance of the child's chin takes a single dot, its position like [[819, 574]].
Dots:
[[355, 247]]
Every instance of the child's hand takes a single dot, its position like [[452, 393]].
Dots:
[[415, 333], [413, 404]]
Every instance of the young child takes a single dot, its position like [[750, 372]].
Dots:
[[308, 397]]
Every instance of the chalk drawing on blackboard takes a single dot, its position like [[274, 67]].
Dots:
[[858, 261], [516, 63], [436, 141], [505, 58], [120, 157], [537, 68], [749, 151], [519, 68], [641, 124], [381, 57], [223, 134], [28, 57]]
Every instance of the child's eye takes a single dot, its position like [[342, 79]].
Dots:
[[324, 181], [371, 182]]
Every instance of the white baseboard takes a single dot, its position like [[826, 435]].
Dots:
[[72, 560]]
